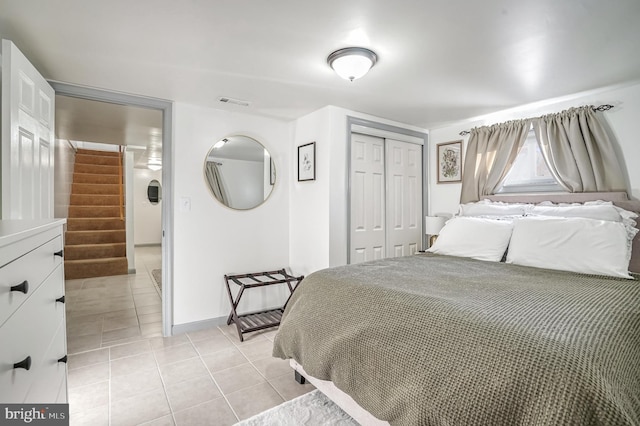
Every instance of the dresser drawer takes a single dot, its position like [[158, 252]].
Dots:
[[29, 333], [32, 267], [51, 374]]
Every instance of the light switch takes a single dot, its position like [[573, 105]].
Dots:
[[185, 204]]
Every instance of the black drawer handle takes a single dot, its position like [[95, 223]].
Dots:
[[22, 287], [63, 359], [60, 299], [25, 363], [59, 253]]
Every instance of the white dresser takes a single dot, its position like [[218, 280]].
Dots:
[[33, 344]]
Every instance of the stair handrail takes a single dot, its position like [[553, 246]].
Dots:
[[121, 203]]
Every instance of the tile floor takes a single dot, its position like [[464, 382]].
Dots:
[[123, 372]]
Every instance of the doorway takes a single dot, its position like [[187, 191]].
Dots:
[[165, 107]]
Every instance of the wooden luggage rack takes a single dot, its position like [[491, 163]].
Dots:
[[255, 321]]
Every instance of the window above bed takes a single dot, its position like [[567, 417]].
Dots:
[[529, 172]]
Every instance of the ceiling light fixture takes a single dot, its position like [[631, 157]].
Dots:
[[352, 63]]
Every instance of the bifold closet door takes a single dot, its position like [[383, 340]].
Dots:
[[386, 198], [403, 174], [367, 239]]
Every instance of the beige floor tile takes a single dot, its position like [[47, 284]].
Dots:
[[122, 333], [121, 313], [151, 330], [129, 349], [132, 364], [83, 343], [140, 408], [122, 341], [137, 383], [288, 388], [85, 328], [88, 375], [72, 285], [272, 367], [162, 421], [189, 393], [207, 333], [150, 318], [254, 400], [236, 378], [87, 397], [257, 350], [150, 309], [216, 412], [95, 416], [87, 358], [119, 323], [213, 344], [164, 342], [146, 299], [224, 359], [232, 332], [182, 370], [144, 290], [175, 353]]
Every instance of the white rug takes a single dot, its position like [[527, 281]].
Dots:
[[311, 409]]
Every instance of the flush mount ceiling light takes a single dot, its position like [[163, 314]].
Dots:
[[352, 62]]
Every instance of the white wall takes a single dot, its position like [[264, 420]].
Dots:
[[147, 217], [621, 120], [211, 240], [63, 163], [319, 220]]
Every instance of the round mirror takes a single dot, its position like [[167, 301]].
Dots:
[[154, 192], [239, 172]]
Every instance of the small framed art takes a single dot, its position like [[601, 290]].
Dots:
[[449, 162], [307, 162]]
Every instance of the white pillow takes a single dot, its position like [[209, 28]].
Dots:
[[478, 238], [581, 245], [600, 212], [483, 208]]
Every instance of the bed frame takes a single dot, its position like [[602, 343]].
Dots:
[[620, 199]]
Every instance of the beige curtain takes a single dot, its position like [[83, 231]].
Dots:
[[578, 151], [214, 178], [491, 151]]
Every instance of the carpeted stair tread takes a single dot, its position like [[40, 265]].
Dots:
[[94, 251], [95, 237], [88, 268], [94, 200], [102, 160], [95, 223], [94, 211], [95, 178], [95, 188], [96, 169]]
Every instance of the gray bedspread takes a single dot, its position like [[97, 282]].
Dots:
[[439, 340]]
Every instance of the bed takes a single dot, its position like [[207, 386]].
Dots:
[[437, 339]]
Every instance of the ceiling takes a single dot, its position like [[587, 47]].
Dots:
[[439, 60]]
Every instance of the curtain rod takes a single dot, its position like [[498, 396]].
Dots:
[[605, 107]]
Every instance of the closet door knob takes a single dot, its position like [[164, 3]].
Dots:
[[60, 299], [59, 253], [22, 287], [25, 363], [63, 359]]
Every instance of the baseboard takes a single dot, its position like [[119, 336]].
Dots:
[[198, 325], [148, 245], [132, 271]]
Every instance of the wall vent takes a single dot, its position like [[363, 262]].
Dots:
[[227, 100]]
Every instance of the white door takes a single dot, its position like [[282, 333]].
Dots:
[[367, 240], [404, 198], [27, 138]]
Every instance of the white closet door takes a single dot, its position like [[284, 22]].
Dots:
[[367, 198], [404, 198], [27, 138]]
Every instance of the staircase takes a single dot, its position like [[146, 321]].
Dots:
[[95, 241]]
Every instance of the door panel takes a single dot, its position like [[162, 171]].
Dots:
[[404, 195], [27, 137], [367, 239]]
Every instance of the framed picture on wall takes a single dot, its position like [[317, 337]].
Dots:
[[307, 162], [449, 162]]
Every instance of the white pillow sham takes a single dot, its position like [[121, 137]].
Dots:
[[599, 212], [486, 208], [581, 245], [478, 238]]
